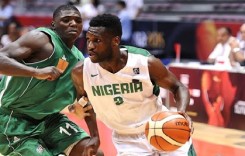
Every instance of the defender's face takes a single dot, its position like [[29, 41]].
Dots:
[[99, 44], [68, 24]]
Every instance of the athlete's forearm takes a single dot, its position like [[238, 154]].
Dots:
[[182, 97], [11, 67], [92, 124]]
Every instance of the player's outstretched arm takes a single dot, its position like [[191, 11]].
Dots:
[[34, 44], [77, 78], [166, 79]]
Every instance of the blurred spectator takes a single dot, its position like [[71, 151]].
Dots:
[[6, 12], [124, 16], [88, 11], [134, 7], [78, 2], [11, 35], [73, 2], [25, 29], [238, 48], [221, 52]]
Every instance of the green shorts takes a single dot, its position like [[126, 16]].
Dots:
[[48, 137], [192, 151]]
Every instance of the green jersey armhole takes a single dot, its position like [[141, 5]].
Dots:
[[140, 51]]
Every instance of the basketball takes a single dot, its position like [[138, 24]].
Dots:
[[167, 131]]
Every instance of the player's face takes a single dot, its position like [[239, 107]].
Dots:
[[99, 44], [68, 24]]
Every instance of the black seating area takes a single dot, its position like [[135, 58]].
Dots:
[[160, 10], [37, 7], [197, 10]]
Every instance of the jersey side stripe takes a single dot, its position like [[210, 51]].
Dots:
[[5, 87]]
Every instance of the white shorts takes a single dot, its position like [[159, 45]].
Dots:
[[137, 145]]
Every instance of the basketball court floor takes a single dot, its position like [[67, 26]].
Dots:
[[208, 140], [215, 141]]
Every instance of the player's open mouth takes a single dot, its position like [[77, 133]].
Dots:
[[91, 54], [73, 32]]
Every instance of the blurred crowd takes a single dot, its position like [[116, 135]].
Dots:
[[127, 10], [10, 29]]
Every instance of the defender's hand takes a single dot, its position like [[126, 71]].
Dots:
[[48, 73], [79, 111]]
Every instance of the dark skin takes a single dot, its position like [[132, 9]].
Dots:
[[36, 46], [103, 48]]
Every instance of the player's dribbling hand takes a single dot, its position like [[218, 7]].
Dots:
[[91, 147], [48, 73], [186, 116]]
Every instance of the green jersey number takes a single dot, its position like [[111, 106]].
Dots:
[[67, 128], [118, 100]]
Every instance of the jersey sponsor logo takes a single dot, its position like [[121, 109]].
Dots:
[[64, 57], [136, 70], [16, 139], [117, 89], [93, 75]]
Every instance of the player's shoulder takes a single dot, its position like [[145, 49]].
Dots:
[[34, 38], [44, 29], [136, 50], [35, 32]]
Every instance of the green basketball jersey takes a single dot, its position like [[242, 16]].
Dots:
[[39, 98]]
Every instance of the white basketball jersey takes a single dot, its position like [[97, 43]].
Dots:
[[125, 100]]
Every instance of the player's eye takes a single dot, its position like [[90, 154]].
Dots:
[[65, 20], [78, 20], [98, 40]]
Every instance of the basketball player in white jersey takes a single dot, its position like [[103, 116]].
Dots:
[[122, 84]]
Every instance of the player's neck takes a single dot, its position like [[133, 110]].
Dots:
[[117, 63]]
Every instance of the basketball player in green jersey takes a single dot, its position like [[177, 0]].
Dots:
[[121, 82], [37, 85]]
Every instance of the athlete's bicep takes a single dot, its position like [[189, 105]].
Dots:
[[25, 46], [161, 75], [77, 78], [15, 51]]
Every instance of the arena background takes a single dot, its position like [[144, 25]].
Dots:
[[162, 23]]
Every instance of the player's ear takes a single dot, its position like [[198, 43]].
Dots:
[[116, 41], [52, 24]]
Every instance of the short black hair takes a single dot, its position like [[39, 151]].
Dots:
[[110, 22], [63, 7], [228, 30], [122, 3]]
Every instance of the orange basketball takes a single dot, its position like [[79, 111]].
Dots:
[[167, 131]]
